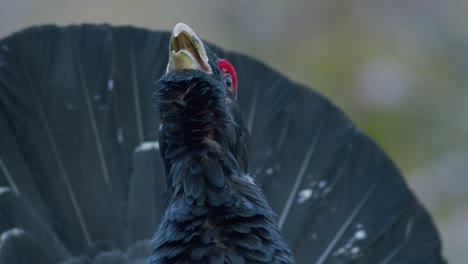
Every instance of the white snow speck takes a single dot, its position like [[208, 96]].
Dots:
[[146, 146], [97, 97], [361, 234], [354, 250], [322, 184], [345, 250], [304, 195], [9, 233], [350, 249], [249, 178], [4, 190], [110, 85], [160, 127], [120, 138], [269, 171], [339, 252]]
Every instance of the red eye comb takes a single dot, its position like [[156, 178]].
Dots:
[[227, 67]]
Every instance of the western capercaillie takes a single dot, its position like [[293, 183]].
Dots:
[[215, 212]]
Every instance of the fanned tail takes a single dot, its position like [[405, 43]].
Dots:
[[83, 179]]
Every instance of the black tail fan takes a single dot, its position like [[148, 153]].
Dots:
[[83, 179]]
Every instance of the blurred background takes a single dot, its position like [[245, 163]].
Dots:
[[398, 68]]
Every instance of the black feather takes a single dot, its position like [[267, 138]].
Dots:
[[19, 246]]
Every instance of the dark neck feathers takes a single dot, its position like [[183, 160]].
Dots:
[[215, 213]]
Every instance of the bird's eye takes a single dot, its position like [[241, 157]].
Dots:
[[228, 81]]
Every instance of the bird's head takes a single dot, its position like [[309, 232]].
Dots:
[[197, 103]]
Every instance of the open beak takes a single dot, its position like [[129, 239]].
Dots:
[[186, 51]]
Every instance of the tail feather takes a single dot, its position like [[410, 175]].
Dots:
[[147, 187], [21, 214], [20, 246]]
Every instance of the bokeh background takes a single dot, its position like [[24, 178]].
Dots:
[[398, 68]]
